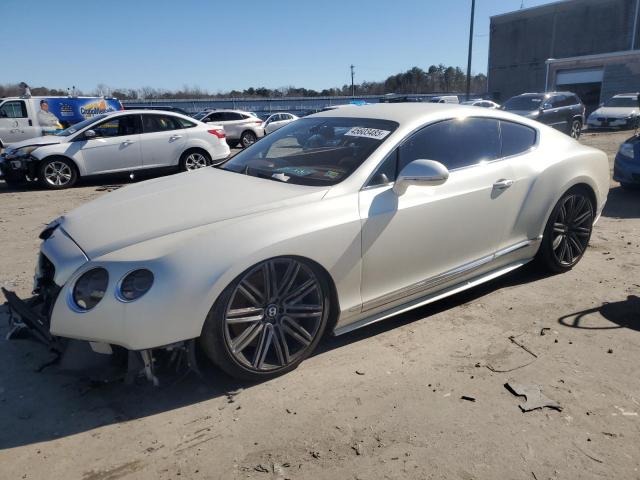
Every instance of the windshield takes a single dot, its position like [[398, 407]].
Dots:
[[622, 102], [79, 126], [313, 151], [527, 103]]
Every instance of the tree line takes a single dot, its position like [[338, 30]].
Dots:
[[436, 79]]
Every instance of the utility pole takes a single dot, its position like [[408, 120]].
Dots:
[[473, 9], [353, 87]]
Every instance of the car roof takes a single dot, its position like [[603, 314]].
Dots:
[[623, 95], [417, 113], [147, 111]]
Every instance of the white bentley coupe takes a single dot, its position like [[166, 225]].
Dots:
[[335, 221]]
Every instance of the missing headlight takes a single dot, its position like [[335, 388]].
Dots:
[[134, 285]]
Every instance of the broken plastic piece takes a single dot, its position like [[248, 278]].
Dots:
[[534, 396]]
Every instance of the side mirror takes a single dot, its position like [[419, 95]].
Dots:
[[421, 172], [90, 134]]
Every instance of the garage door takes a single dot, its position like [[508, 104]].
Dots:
[[585, 75]]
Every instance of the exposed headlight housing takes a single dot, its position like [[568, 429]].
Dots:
[[134, 285], [626, 150], [90, 288], [24, 151]]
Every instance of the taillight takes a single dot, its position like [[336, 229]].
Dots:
[[218, 132], [258, 122]]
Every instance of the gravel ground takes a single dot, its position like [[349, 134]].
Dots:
[[382, 402]]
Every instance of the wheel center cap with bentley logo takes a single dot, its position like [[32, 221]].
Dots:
[[271, 311]]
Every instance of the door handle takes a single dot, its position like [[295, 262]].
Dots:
[[128, 142], [175, 137], [503, 184]]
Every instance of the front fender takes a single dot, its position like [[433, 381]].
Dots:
[[191, 269]]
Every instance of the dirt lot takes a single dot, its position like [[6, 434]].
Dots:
[[382, 402]]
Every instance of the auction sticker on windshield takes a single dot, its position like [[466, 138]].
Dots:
[[367, 133]]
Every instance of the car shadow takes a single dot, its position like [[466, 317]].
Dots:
[[622, 203], [622, 314], [108, 182], [43, 405]]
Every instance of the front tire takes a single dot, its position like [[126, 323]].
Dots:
[[57, 173], [268, 320], [567, 233]]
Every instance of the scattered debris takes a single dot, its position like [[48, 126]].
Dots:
[[610, 350], [595, 459], [466, 397], [231, 395], [522, 346], [609, 434], [509, 358], [261, 468], [359, 372], [543, 331], [357, 448], [533, 394], [315, 454]]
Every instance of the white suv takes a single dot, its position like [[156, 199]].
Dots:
[[124, 141], [240, 127]]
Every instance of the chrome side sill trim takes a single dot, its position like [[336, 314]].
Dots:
[[445, 277], [427, 299]]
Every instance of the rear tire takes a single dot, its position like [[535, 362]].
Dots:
[[193, 160], [248, 138], [567, 233], [576, 129], [268, 320], [56, 173]]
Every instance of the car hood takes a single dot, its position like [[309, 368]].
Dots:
[[45, 140], [175, 203], [614, 112]]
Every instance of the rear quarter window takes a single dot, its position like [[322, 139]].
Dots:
[[516, 138]]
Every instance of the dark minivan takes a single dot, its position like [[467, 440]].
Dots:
[[561, 110]]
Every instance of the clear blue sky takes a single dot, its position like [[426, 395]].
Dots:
[[220, 46]]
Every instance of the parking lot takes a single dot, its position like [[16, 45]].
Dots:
[[381, 402]]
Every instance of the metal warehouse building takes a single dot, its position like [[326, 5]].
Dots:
[[589, 47]]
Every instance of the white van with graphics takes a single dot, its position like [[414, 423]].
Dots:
[[22, 118]]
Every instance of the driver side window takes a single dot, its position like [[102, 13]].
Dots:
[[456, 143], [119, 126], [13, 109]]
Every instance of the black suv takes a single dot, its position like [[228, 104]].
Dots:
[[561, 110]]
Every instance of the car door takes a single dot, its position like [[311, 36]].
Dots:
[[431, 232], [553, 112], [217, 118], [15, 124], [518, 143], [234, 124], [162, 140], [275, 123], [116, 146]]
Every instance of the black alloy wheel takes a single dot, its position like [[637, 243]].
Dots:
[[568, 231], [268, 320]]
